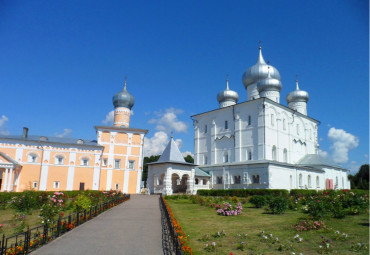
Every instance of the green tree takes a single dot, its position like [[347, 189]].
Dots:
[[361, 179], [189, 159], [151, 159]]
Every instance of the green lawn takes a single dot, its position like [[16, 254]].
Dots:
[[198, 221]]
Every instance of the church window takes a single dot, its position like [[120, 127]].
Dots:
[[256, 179], [226, 157], [105, 161], [205, 129], [336, 182], [117, 163], [226, 125], [309, 181], [237, 179], [59, 160], [196, 181], [35, 185], [56, 185], [317, 182], [285, 155], [250, 155], [300, 180], [85, 162], [249, 120], [205, 160], [297, 129], [219, 179], [284, 124], [204, 181], [117, 186], [272, 120], [274, 152], [32, 158]]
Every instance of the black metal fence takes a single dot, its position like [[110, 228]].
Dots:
[[170, 241], [25, 242]]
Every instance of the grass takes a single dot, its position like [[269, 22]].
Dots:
[[198, 221]]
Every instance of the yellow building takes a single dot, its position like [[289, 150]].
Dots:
[[113, 161]]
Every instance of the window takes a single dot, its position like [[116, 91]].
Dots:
[[272, 120], [226, 125], [300, 179], [85, 162], [285, 155], [226, 158], [117, 186], [336, 182], [317, 182], [256, 179], [204, 181], [219, 179], [56, 185], [117, 163], [297, 129], [59, 160], [249, 120], [196, 181], [131, 164], [34, 185], [342, 182], [205, 160], [309, 181], [310, 134], [105, 162], [274, 152], [32, 158], [205, 129], [82, 186], [237, 179], [250, 155], [284, 124]]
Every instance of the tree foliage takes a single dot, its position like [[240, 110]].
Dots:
[[361, 179], [189, 159]]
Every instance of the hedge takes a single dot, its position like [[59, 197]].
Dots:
[[306, 192], [243, 192]]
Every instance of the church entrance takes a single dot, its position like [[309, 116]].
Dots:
[[175, 183], [183, 184]]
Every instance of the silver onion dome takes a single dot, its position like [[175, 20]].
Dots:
[[123, 99], [269, 84], [259, 71], [297, 95], [227, 95]]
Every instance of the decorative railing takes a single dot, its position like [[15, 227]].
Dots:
[[170, 240], [25, 242]]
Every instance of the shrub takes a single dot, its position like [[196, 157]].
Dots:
[[278, 205], [258, 201], [338, 211], [235, 199], [228, 210], [317, 209], [243, 192], [306, 225], [82, 202]]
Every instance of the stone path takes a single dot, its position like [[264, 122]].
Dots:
[[131, 228]]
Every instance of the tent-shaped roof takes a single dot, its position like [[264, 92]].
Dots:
[[171, 153]]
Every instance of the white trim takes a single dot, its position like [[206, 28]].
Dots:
[[125, 181], [6, 179], [70, 177], [44, 177], [19, 154], [10, 184], [96, 177], [109, 179]]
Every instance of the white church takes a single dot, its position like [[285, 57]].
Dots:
[[256, 144]]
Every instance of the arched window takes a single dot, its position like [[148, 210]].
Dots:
[[285, 155], [196, 181], [284, 124], [226, 157], [205, 160], [249, 155], [249, 120], [219, 179], [297, 129], [256, 179], [32, 158], [205, 128], [237, 179], [272, 120], [300, 179], [274, 152], [226, 125], [204, 181], [309, 181], [84, 162], [59, 160], [317, 182]]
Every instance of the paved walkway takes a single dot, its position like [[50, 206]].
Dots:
[[131, 228]]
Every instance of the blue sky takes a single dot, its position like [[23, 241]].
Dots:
[[62, 61]]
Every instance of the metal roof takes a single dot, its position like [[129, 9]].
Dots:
[[171, 153], [316, 160], [200, 172]]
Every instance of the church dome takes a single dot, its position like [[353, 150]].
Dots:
[[259, 71], [228, 95], [297, 95], [269, 84], [123, 99]]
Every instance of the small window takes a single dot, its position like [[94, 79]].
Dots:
[[285, 155], [59, 160], [309, 181], [317, 182], [34, 185], [205, 128], [226, 125], [256, 179], [105, 162], [226, 158], [250, 155], [196, 181], [297, 129], [284, 124], [274, 152], [82, 186], [205, 160], [204, 181], [117, 163], [249, 120], [56, 185], [237, 179], [32, 158], [300, 179], [131, 164], [272, 120], [219, 179], [117, 186], [85, 162]]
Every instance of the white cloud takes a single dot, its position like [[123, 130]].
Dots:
[[184, 154], [178, 143], [109, 118], [353, 167], [323, 154], [3, 120], [167, 121], [65, 133], [156, 144], [343, 142]]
